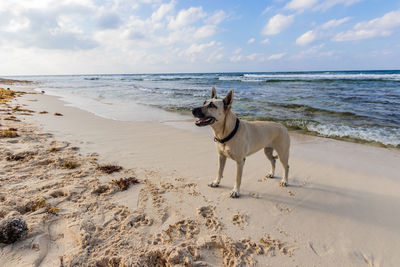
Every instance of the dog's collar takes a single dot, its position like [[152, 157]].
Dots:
[[230, 136]]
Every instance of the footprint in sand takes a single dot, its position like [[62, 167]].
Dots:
[[240, 220], [207, 212], [283, 208]]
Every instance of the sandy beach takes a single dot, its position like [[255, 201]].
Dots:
[[341, 207]]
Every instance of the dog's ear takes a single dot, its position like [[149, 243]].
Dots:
[[228, 100], [213, 93]]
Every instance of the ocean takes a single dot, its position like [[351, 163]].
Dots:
[[359, 106]]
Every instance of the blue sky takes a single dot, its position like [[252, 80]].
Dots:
[[153, 36]]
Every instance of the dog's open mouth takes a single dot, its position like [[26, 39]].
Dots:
[[205, 121]]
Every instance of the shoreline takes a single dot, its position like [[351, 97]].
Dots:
[[339, 193], [348, 127]]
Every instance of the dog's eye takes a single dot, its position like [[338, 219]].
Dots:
[[211, 105], [204, 102]]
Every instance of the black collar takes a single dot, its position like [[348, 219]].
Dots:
[[229, 137]]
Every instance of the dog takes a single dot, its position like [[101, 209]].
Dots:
[[236, 139]]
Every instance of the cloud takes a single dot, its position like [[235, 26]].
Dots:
[[382, 26], [327, 4], [266, 10], [236, 58], [314, 52], [334, 23], [276, 56], [300, 4], [109, 21], [251, 40], [186, 17], [198, 48], [217, 17], [265, 41], [307, 38], [255, 56], [163, 10], [237, 50], [319, 32], [277, 23]]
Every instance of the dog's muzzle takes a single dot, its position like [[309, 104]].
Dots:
[[203, 120]]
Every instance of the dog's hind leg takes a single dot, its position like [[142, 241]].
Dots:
[[284, 158], [268, 152], [239, 172], [221, 166]]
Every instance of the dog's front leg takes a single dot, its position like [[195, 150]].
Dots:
[[239, 172], [221, 166]]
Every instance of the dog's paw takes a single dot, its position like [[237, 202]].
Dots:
[[213, 184], [283, 184], [269, 175], [234, 194]]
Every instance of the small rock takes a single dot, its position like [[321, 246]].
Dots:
[[12, 229]]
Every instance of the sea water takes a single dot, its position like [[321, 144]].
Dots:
[[357, 105]]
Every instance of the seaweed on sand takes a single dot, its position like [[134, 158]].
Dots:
[[124, 183]]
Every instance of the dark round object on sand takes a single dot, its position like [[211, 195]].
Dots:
[[12, 229]]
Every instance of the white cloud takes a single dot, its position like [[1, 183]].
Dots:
[[163, 10], [300, 4], [265, 41], [186, 17], [255, 56], [266, 10], [327, 4], [314, 52], [307, 38], [251, 40], [217, 17], [56, 32], [277, 23], [319, 32], [334, 23], [236, 58], [382, 26], [237, 50], [276, 56], [198, 48]]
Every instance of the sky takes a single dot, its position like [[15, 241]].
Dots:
[[39, 37]]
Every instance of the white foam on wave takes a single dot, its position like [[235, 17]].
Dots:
[[384, 135], [327, 76]]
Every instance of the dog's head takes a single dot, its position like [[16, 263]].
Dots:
[[213, 109]]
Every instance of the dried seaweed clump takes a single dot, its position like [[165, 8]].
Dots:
[[69, 164], [20, 156], [58, 114], [9, 133], [6, 95], [38, 204], [11, 118], [24, 110], [43, 112], [109, 168], [52, 209], [124, 183], [35, 205]]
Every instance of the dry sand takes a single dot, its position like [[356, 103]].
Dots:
[[342, 207]]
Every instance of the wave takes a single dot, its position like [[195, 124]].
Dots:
[[326, 77]]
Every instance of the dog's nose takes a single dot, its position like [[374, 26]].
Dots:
[[197, 112]]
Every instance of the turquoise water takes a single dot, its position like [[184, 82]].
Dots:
[[361, 105]]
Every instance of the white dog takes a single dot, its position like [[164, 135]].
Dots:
[[237, 139]]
